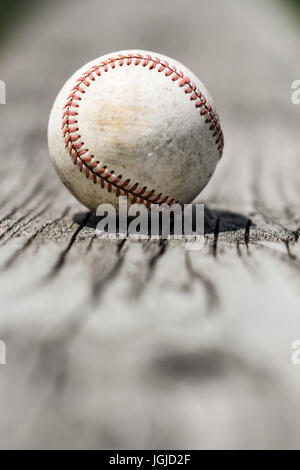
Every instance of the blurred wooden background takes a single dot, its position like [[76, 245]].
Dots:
[[146, 345]]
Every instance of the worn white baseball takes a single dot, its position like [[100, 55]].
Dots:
[[135, 124]]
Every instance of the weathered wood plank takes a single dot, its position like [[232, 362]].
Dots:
[[142, 344]]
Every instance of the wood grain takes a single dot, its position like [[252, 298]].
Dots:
[[115, 344]]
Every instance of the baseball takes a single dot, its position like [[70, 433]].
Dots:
[[135, 124]]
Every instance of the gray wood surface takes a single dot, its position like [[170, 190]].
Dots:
[[143, 344]]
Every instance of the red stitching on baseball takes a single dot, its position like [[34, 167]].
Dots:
[[70, 121]]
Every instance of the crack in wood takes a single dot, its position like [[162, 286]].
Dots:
[[24, 203], [99, 286], [290, 254], [155, 258], [216, 236], [22, 226], [62, 257], [21, 250], [211, 291], [292, 260], [247, 234], [11, 260]]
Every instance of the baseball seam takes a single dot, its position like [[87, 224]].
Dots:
[[82, 156]]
